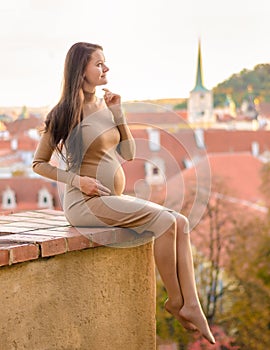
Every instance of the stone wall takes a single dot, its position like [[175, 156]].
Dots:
[[92, 299]]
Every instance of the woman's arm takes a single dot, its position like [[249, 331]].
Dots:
[[41, 162], [127, 144], [41, 165]]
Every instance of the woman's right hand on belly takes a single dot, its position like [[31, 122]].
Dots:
[[90, 186]]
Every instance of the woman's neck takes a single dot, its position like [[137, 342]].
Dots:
[[89, 97], [91, 104]]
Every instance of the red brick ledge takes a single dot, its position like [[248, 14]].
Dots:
[[43, 233]]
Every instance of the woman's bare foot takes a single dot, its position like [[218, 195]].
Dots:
[[174, 309], [195, 316]]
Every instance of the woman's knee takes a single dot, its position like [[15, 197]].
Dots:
[[167, 223], [182, 223]]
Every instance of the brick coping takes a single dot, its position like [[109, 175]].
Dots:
[[38, 234]]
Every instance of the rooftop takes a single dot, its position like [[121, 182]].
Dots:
[[43, 233]]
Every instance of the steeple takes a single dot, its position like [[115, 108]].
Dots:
[[199, 77], [200, 103]]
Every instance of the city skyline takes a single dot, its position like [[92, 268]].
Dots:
[[150, 47]]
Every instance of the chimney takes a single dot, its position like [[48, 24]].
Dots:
[[255, 149]]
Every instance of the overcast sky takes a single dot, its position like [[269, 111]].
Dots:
[[150, 45]]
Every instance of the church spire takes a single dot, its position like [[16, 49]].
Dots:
[[199, 77]]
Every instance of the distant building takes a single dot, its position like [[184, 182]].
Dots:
[[25, 193], [248, 108], [200, 103]]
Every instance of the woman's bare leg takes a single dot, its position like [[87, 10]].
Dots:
[[191, 310], [166, 260], [173, 257]]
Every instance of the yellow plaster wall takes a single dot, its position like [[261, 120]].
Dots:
[[94, 299]]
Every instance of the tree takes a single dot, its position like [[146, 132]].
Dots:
[[182, 105], [265, 184], [223, 342], [248, 317], [239, 85], [211, 238], [232, 264]]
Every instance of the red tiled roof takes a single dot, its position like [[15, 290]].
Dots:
[[169, 117], [4, 146], [239, 172], [235, 181], [236, 177], [175, 147], [235, 140], [11, 159], [9, 156], [22, 125], [26, 143], [4, 151], [180, 144], [27, 195], [224, 117], [183, 113]]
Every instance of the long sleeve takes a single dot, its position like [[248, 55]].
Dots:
[[41, 162], [127, 147]]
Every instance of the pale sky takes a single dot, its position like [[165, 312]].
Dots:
[[150, 45]]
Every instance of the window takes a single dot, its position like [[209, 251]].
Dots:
[[14, 144], [8, 199], [155, 171], [45, 199], [154, 139]]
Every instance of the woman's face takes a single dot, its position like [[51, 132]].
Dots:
[[95, 72]]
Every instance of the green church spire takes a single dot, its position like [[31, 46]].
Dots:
[[199, 77]]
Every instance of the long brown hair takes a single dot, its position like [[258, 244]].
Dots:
[[64, 119]]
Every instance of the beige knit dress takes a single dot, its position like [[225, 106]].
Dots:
[[101, 160]]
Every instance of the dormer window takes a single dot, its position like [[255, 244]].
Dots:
[[154, 139], [8, 199], [199, 138], [45, 199], [155, 171]]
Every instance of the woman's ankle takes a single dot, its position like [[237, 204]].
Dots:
[[175, 302], [192, 303]]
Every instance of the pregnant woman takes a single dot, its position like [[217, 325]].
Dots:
[[90, 133]]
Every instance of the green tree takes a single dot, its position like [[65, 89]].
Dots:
[[182, 105], [239, 85]]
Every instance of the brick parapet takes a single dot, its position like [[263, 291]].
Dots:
[[38, 234]]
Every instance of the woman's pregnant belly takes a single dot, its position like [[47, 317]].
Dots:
[[109, 172]]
